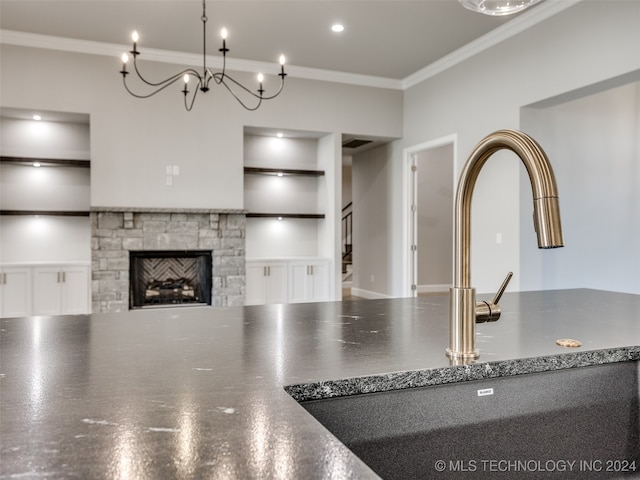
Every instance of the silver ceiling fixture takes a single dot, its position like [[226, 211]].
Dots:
[[498, 7], [249, 99]]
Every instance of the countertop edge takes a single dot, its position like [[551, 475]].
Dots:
[[458, 373]]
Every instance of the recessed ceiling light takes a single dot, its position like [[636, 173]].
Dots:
[[279, 135], [37, 117], [337, 28], [36, 164]]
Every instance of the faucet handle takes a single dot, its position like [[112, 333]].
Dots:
[[490, 311]]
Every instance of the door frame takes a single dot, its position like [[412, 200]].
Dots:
[[409, 265]]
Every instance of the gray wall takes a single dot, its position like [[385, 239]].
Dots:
[[595, 144], [583, 45], [133, 140]]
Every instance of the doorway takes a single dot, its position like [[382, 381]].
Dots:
[[429, 178]]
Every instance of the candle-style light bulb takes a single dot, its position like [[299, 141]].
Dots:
[[282, 60], [135, 36], [223, 33], [260, 78], [125, 59], [186, 78]]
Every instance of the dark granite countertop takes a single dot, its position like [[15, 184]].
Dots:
[[200, 392]]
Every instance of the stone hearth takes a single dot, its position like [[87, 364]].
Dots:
[[115, 232]]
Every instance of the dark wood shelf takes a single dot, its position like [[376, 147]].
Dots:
[[54, 213], [283, 171], [46, 162], [286, 215]]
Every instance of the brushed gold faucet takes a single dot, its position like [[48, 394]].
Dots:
[[464, 312]]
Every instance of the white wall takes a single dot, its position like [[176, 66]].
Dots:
[[583, 45], [595, 144], [133, 140]]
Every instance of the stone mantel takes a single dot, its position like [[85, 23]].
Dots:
[[226, 211]]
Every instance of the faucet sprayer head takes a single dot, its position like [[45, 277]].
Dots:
[[546, 221]]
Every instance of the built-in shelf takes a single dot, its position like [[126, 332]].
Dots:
[[282, 171], [285, 215], [46, 162], [55, 213]]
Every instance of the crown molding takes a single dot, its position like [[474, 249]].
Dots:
[[49, 42], [505, 31]]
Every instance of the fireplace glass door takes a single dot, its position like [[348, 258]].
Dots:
[[170, 278]]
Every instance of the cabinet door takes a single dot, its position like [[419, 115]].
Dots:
[[309, 281], [47, 286], [266, 283], [318, 282], [298, 272], [75, 290], [255, 293], [276, 283], [15, 292]]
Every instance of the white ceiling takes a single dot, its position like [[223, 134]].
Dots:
[[391, 39]]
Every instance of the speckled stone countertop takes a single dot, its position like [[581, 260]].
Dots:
[[200, 392]]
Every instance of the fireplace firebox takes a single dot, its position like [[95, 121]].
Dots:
[[169, 278]]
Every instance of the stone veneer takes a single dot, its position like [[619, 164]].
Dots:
[[114, 232]]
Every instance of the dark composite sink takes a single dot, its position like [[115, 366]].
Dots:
[[573, 423]]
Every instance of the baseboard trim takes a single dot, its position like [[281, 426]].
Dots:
[[434, 288], [368, 294]]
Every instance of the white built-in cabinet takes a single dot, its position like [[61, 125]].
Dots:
[[266, 282], [45, 289], [15, 292], [59, 290], [287, 280], [308, 281]]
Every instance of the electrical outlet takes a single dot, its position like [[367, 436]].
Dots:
[[169, 180], [168, 169], [176, 169], [499, 238]]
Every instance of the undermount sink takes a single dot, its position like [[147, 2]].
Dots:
[[571, 423]]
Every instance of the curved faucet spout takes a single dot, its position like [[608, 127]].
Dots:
[[546, 221]]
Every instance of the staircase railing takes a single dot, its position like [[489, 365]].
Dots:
[[347, 230]]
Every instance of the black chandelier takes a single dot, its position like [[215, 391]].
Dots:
[[241, 93]]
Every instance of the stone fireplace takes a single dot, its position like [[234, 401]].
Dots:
[[118, 234]]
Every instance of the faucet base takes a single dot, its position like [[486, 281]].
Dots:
[[462, 355], [462, 323]]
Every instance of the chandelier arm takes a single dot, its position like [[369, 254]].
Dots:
[[124, 81], [225, 78], [167, 81], [278, 92], [261, 97], [239, 100], [189, 106]]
